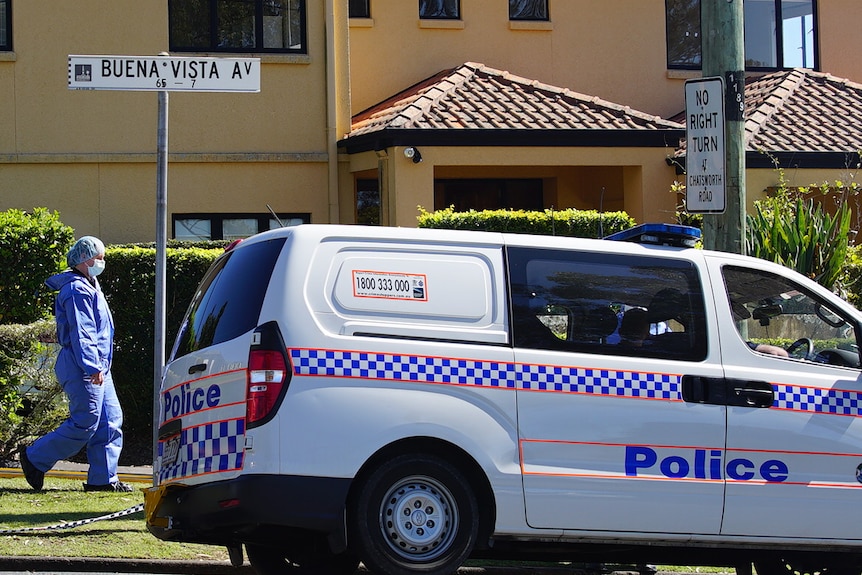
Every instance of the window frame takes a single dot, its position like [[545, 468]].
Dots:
[[258, 32], [217, 221], [456, 17], [7, 15], [547, 17], [778, 39]]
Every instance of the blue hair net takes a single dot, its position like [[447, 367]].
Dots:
[[85, 248]]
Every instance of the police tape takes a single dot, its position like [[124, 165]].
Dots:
[[78, 523]]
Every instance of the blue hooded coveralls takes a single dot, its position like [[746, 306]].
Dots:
[[85, 330]]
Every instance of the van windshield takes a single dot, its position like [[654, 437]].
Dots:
[[228, 301]]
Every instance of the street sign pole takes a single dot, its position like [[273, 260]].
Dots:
[[162, 74], [161, 261]]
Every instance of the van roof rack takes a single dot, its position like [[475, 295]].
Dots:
[[659, 235]]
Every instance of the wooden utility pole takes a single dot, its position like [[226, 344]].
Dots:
[[723, 55]]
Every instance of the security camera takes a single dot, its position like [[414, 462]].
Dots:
[[412, 153]]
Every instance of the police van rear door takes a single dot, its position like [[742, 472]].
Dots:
[[605, 341], [794, 442], [202, 415]]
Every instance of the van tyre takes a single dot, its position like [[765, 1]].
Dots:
[[808, 564], [415, 514], [268, 560]]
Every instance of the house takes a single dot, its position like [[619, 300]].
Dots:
[[508, 103]]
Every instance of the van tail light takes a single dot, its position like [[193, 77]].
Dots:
[[268, 374]]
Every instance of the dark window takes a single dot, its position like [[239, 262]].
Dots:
[[488, 194], [359, 9], [197, 227], [237, 26], [778, 34], [528, 9], [5, 25], [228, 301], [607, 304], [440, 9], [683, 33], [368, 202]]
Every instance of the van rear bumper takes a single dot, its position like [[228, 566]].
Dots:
[[246, 508]]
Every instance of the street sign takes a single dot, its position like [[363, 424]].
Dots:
[[705, 158], [164, 73]]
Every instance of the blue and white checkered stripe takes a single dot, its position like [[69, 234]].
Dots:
[[488, 374], [209, 448], [818, 400]]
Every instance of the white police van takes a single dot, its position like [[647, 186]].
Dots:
[[412, 398]]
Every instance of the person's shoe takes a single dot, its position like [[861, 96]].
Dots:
[[34, 477], [117, 486]]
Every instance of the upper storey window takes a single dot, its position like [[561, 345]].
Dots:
[[359, 9], [528, 9], [5, 25], [778, 34], [237, 26], [440, 9]]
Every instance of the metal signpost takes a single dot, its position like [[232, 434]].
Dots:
[[705, 184], [163, 74]]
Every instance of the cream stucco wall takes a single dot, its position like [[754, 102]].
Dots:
[[613, 50], [91, 154]]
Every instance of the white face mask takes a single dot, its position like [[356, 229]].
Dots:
[[97, 268]]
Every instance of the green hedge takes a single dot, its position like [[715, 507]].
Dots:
[[129, 285], [569, 222], [33, 247]]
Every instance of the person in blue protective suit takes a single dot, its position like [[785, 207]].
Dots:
[[85, 330]]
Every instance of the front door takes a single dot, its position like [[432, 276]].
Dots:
[[794, 442]]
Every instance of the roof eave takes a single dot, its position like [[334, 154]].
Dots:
[[791, 159], [390, 137]]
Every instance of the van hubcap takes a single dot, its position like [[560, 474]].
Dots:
[[419, 518]]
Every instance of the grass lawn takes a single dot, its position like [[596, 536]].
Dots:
[[64, 500]]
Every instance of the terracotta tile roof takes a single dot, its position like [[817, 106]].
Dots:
[[476, 97], [800, 111], [803, 110]]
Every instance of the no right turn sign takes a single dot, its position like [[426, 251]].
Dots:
[[705, 151]]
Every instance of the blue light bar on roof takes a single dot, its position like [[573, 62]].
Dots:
[[659, 234]]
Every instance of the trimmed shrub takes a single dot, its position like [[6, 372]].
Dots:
[[851, 276], [33, 247], [569, 222], [31, 400]]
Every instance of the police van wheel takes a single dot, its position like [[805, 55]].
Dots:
[[415, 514], [805, 565], [273, 561]]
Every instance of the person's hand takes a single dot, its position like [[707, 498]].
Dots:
[[97, 378], [772, 350]]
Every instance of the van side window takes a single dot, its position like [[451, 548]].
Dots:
[[606, 303], [229, 299], [776, 316]]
